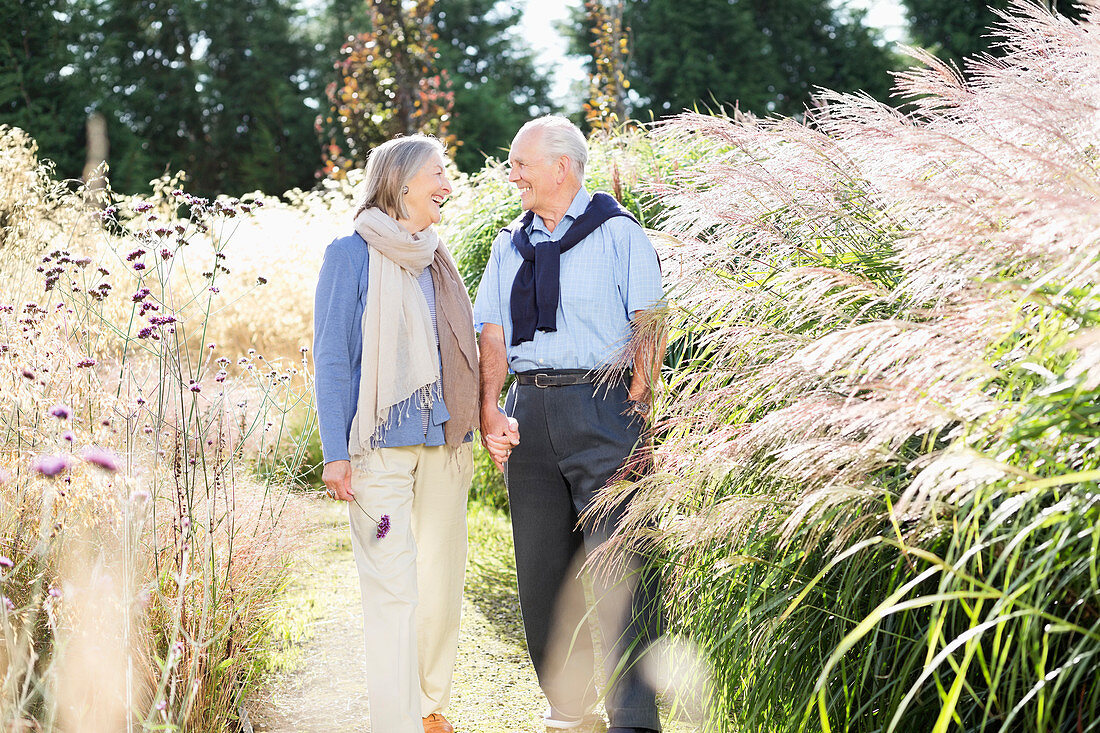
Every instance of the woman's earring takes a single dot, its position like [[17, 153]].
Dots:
[[404, 189]]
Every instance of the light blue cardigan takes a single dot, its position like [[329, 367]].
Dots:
[[338, 353]]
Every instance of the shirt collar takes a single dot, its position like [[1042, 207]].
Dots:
[[576, 208]]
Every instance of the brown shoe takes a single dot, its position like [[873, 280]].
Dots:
[[436, 723]]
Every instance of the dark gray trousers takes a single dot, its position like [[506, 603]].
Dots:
[[572, 441]]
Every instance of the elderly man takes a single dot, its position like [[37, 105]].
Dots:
[[555, 304]]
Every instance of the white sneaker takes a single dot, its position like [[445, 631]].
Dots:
[[558, 723]]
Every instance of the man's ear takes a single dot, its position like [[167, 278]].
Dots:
[[561, 170]]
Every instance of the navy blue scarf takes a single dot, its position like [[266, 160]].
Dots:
[[536, 289]]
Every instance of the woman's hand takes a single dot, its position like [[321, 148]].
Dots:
[[337, 478]]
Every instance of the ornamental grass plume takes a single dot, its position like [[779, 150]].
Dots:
[[874, 484]]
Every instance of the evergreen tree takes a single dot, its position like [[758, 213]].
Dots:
[[764, 55], [258, 92], [958, 29], [210, 88], [497, 87], [39, 90]]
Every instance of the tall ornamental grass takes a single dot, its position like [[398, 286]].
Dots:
[[141, 546], [874, 491]]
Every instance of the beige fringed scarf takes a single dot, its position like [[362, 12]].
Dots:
[[399, 354]]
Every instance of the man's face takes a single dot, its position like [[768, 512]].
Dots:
[[532, 171]]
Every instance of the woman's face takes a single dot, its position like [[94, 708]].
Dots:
[[427, 190]]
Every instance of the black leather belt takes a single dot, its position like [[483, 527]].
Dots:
[[559, 377]]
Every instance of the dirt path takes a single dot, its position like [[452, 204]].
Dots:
[[317, 682]]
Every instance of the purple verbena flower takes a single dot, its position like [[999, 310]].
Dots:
[[144, 206], [383, 526], [139, 266], [50, 466], [140, 295], [146, 332], [28, 373], [85, 363], [61, 412], [6, 563], [101, 457], [194, 386], [162, 320], [68, 436], [165, 253], [135, 254]]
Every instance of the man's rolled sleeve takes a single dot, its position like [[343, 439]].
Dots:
[[643, 275], [334, 308], [487, 304]]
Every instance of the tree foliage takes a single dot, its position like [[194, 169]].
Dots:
[[216, 89], [497, 86], [608, 85], [958, 29], [38, 91], [388, 83], [767, 56]]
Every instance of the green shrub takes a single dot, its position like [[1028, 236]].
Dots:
[[487, 487]]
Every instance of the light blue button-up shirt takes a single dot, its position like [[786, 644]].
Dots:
[[609, 275]]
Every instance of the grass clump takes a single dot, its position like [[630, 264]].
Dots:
[[876, 468]]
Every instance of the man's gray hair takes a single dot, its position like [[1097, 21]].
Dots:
[[390, 166], [561, 137]]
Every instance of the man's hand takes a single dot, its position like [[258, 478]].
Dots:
[[499, 434], [337, 478]]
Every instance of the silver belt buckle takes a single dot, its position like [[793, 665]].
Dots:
[[539, 384]]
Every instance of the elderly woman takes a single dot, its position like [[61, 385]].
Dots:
[[396, 379]]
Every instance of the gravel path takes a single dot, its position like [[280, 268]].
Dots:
[[316, 685]]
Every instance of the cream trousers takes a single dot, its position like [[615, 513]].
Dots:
[[411, 579]]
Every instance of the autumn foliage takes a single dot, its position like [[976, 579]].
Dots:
[[387, 84]]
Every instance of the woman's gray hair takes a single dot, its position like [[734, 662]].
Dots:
[[561, 137], [390, 166]]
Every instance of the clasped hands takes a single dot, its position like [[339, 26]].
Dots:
[[499, 435]]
